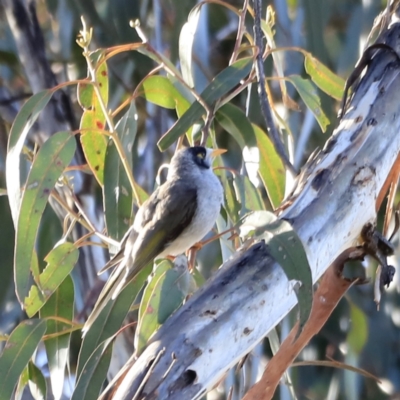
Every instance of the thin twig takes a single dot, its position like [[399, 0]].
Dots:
[[240, 32], [264, 103]]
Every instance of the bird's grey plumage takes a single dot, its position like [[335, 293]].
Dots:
[[175, 217]]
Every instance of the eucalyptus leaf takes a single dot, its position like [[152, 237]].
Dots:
[[51, 160], [219, 87], [20, 346], [111, 318]]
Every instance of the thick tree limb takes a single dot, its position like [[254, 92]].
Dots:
[[336, 196]]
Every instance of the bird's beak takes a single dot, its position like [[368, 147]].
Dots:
[[218, 152]]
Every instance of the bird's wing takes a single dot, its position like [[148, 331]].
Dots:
[[170, 212], [118, 257], [163, 218]]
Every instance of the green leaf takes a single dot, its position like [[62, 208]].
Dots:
[[162, 296], [22, 382], [311, 99], [90, 381], [51, 160], [60, 262], [94, 143], [231, 203], [286, 248], [117, 192], [324, 78], [160, 91], [271, 169], [186, 39], [358, 334], [219, 87], [111, 318], [17, 352], [24, 121], [235, 122], [61, 305], [37, 383]]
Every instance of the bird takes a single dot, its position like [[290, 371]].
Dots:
[[178, 214]]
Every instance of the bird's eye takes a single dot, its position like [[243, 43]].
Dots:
[[201, 155]]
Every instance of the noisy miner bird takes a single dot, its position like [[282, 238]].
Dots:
[[175, 217]]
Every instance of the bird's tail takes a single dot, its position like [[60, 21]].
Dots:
[[111, 289]]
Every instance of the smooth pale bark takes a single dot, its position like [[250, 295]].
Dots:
[[336, 196]]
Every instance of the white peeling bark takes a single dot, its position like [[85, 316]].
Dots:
[[250, 294]]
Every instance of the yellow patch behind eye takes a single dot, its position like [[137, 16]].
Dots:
[[201, 155]]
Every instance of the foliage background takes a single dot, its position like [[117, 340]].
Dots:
[[334, 32]]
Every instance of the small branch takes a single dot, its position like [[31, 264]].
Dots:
[[264, 103]]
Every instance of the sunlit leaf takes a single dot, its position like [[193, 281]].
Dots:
[[94, 143], [271, 169], [160, 90], [37, 382], [311, 99], [324, 78], [60, 262]]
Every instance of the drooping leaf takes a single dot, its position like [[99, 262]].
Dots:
[[271, 168], [17, 352], [37, 382], [24, 121], [117, 192], [267, 27], [60, 262], [286, 248], [160, 90], [111, 318], [94, 142], [219, 87], [324, 78], [186, 39], [358, 334], [22, 382], [235, 122], [90, 381], [311, 99], [51, 160], [231, 203], [155, 307], [61, 305]]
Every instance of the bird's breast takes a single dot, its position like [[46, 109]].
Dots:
[[209, 200]]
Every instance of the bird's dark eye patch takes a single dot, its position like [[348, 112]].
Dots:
[[199, 156]]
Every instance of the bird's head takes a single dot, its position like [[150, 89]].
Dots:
[[193, 159]]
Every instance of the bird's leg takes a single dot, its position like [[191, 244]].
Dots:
[[191, 255]]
